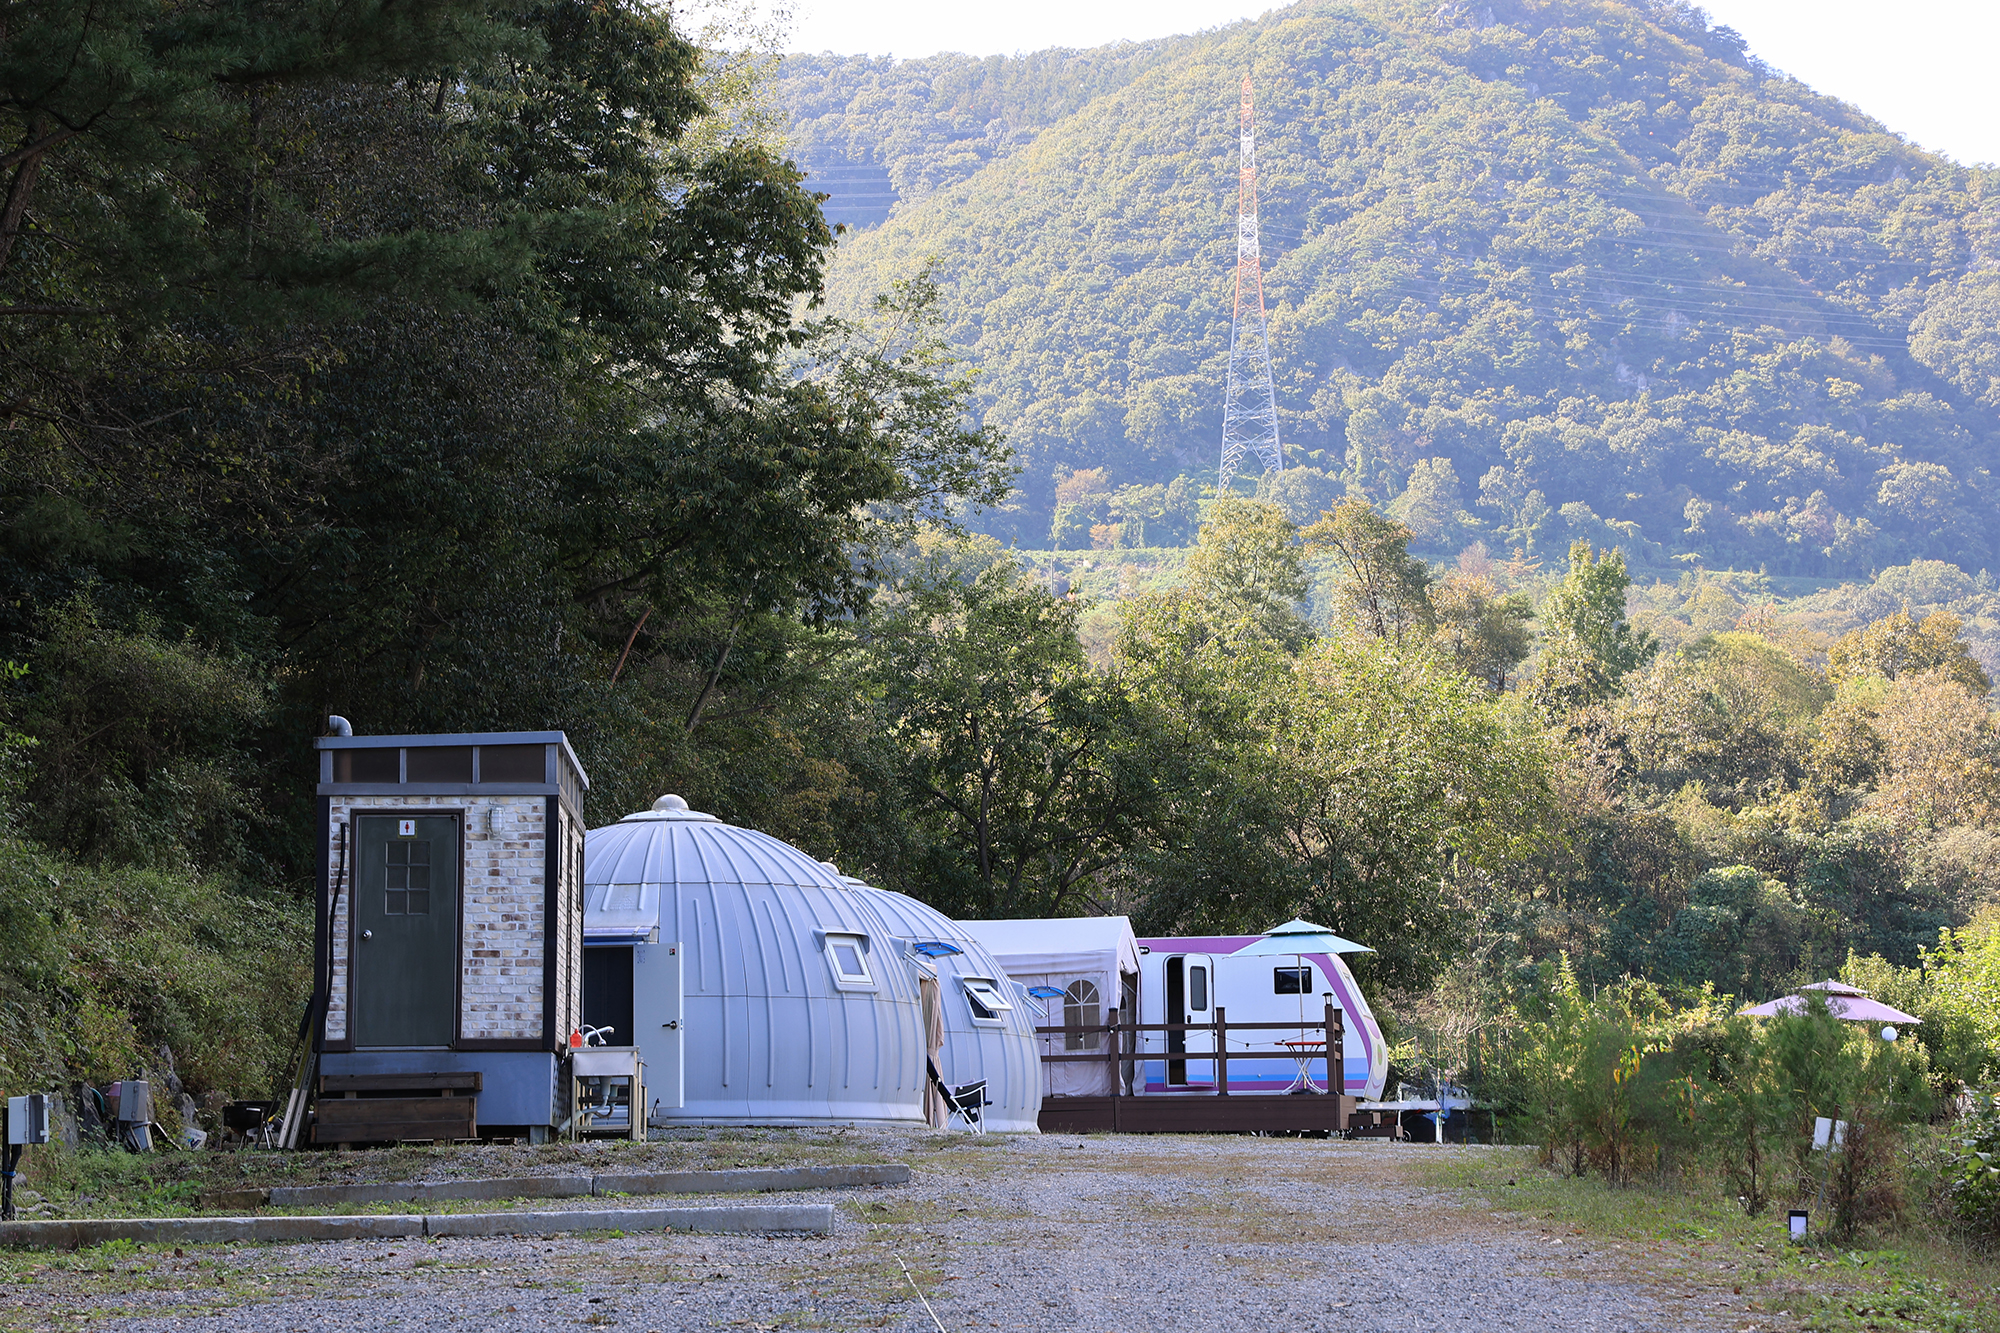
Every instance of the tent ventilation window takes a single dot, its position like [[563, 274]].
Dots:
[[1082, 1014], [1291, 981], [848, 955], [985, 1000]]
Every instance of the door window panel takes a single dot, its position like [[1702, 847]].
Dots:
[[407, 878]]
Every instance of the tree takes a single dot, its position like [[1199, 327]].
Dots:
[[1393, 772], [1431, 503], [1899, 645], [1942, 751], [1383, 589], [1485, 631], [1011, 755], [1589, 645], [1247, 567]]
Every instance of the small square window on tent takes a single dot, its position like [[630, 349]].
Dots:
[[848, 955], [985, 999]]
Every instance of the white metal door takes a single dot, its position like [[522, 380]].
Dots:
[[666, 1047]]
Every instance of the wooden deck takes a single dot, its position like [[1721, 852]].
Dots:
[[1176, 1113], [1117, 1047]]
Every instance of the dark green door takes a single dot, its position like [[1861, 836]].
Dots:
[[406, 931]]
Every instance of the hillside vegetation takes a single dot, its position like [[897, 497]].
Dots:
[[1537, 271]]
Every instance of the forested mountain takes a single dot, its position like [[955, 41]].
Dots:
[[1537, 271]]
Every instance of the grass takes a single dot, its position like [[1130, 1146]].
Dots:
[[1903, 1280]]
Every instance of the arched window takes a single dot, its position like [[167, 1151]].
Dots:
[[1082, 1012]]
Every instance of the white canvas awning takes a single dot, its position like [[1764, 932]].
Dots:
[[1079, 944]]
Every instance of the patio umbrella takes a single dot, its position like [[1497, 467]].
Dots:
[[1298, 938], [1842, 1001]]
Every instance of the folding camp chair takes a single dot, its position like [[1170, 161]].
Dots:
[[968, 1102]]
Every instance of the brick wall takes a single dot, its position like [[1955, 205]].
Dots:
[[501, 946]]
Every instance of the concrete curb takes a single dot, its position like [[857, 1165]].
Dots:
[[744, 1180], [813, 1219]]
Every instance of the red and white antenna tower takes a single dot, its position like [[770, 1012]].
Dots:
[[1250, 411]]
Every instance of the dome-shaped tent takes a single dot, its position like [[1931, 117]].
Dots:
[[982, 1040], [800, 1005]]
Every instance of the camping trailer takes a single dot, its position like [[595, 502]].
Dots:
[[989, 1020], [1186, 979], [1171, 997], [760, 986], [449, 933]]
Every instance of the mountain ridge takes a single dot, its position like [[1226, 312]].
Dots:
[[1616, 278]]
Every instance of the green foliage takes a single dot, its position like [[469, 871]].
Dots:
[[1247, 567], [1625, 283], [1360, 783], [1975, 1179], [105, 966], [1739, 931], [1626, 1082], [1384, 591], [141, 742], [1013, 759], [1590, 645], [1898, 645]]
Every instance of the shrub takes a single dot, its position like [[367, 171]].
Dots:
[[1974, 1171]]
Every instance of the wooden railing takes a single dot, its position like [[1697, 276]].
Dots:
[[1122, 1039]]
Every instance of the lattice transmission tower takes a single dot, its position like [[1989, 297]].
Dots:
[[1250, 411]]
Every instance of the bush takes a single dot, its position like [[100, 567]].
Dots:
[[1974, 1173], [1629, 1081], [104, 967]]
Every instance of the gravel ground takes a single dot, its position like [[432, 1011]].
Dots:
[[1051, 1233]]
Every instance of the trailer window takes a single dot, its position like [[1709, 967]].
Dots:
[[984, 999], [1197, 985], [1291, 981], [1083, 1012]]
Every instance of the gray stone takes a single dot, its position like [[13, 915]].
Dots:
[[79, 1233], [509, 1187], [750, 1180], [810, 1219]]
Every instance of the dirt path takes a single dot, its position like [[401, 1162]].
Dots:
[[1055, 1233]]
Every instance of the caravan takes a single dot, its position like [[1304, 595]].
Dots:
[[1186, 979], [1271, 1006]]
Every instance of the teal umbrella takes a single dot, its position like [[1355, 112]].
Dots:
[[1300, 937]]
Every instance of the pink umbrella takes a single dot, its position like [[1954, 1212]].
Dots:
[[1842, 1001]]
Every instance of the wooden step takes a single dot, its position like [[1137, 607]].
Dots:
[[389, 1119]]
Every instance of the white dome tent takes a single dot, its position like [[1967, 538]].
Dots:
[[800, 1004], [981, 1039]]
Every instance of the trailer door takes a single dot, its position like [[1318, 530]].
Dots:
[[1190, 989]]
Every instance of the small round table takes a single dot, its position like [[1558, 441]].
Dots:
[[1304, 1050]]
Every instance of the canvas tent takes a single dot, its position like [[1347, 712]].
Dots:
[[1093, 961]]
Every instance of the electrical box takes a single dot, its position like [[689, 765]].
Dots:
[[135, 1102], [451, 925], [28, 1119]]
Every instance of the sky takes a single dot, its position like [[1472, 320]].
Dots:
[[1924, 68]]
